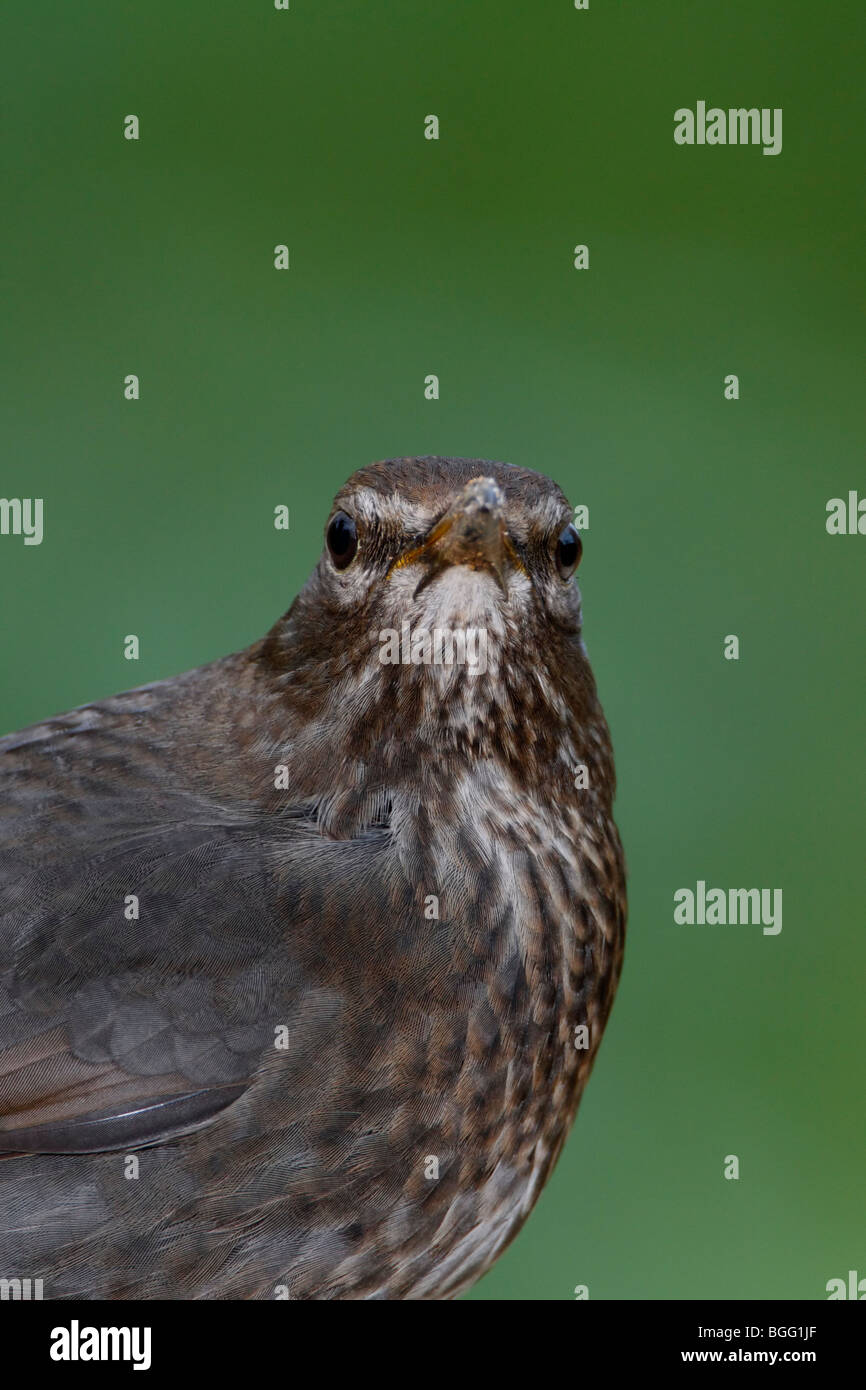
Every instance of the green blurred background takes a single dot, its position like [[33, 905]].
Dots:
[[454, 257]]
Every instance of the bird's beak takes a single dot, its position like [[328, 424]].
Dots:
[[471, 533]]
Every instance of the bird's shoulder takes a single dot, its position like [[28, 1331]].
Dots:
[[153, 926]]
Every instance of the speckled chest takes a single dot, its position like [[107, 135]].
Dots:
[[540, 897]]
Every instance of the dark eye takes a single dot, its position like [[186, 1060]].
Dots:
[[342, 539], [569, 549]]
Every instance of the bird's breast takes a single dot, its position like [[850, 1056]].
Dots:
[[527, 900]]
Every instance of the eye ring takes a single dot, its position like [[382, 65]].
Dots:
[[569, 548], [341, 539]]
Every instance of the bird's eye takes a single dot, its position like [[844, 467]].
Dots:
[[342, 539], [569, 549]]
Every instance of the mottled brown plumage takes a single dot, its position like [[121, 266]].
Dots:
[[374, 907]]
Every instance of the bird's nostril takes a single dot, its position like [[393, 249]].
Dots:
[[482, 495]]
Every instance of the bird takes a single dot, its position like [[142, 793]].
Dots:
[[306, 954]]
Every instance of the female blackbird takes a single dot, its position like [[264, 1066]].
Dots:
[[305, 955]]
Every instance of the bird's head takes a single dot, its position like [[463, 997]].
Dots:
[[443, 608]]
